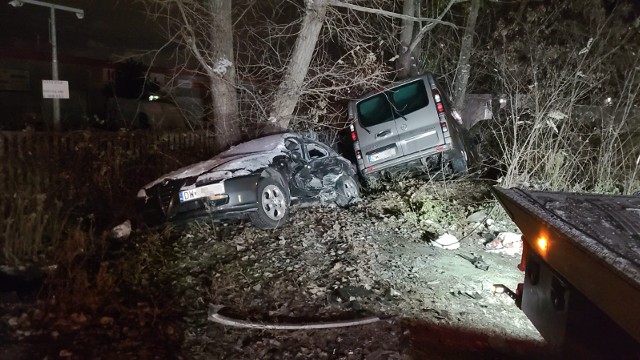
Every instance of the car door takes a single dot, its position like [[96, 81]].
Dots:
[[322, 161], [298, 168], [376, 128], [417, 118]]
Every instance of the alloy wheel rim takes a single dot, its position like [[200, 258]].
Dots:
[[273, 202], [349, 189]]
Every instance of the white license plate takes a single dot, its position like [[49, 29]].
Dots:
[[200, 192], [382, 155]]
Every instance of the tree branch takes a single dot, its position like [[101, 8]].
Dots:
[[191, 41], [338, 3], [431, 25]]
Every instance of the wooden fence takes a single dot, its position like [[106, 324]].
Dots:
[[61, 160]]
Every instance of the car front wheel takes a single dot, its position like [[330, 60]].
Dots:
[[273, 204], [347, 191]]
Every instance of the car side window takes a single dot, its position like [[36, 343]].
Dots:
[[315, 151]]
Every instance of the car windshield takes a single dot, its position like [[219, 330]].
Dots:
[[393, 103], [263, 144]]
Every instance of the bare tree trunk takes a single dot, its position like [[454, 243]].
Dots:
[[289, 90], [404, 63], [222, 75], [521, 9], [466, 50]]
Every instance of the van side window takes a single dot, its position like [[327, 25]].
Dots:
[[410, 97], [375, 110]]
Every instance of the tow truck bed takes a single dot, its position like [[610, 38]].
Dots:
[[592, 243]]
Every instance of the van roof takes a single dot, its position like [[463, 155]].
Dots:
[[427, 75]]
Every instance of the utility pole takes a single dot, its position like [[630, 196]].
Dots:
[[54, 45]]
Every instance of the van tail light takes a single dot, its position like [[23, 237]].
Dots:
[[354, 136], [440, 108], [358, 155]]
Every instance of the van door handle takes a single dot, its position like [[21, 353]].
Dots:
[[383, 133]]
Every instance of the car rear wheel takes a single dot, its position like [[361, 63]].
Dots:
[[347, 191], [273, 204]]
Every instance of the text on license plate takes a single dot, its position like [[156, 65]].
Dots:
[[200, 192], [382, 155]]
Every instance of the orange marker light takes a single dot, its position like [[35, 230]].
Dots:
[[543, 244]]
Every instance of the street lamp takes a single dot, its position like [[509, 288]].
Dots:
[[54, 50]]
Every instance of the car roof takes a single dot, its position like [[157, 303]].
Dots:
[[261, 144]]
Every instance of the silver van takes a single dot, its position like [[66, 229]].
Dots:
[[407, 125]]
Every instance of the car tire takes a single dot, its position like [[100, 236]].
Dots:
[[459, 165], [347, 191], [273, 204]]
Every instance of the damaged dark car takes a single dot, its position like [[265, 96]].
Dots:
[[260, 179]]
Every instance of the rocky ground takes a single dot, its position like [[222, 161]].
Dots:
[[375, 259]]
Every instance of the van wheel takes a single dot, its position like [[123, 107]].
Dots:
[[459, 165], [347, 191], [273, 204]]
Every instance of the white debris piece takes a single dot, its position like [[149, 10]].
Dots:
[[557, 115], [506, 243], [221, 66], [586, 48], [122, 231], [447, 241]]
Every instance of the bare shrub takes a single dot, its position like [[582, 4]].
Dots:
[[31, 225], [555, 130]]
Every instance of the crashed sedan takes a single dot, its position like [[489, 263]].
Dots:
[[260, 179]]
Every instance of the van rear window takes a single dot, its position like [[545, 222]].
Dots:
[[393, 103], [410, 97], [375, 110]]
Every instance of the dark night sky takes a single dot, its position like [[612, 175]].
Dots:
[[109, 28]]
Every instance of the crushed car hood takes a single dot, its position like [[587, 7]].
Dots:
[[237, 161]]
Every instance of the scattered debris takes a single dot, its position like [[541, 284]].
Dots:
[[502, 289], [121, 232], [477, 217], [447, 241], [506, 243], [350, 293], [476, 261]]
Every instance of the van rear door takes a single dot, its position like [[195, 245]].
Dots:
[[376, 129], [416, 117]]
